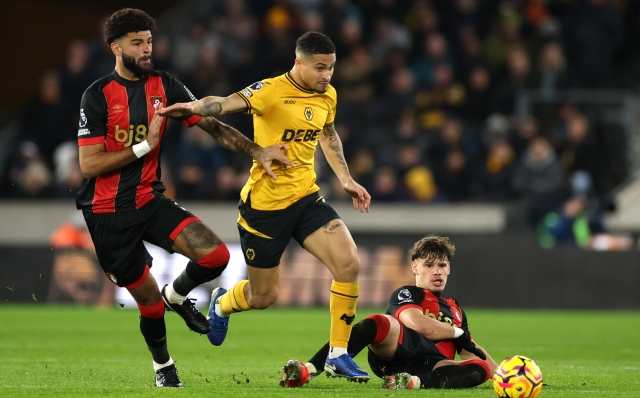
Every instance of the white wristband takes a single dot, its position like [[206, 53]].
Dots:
[[141, 149], [457, 332]]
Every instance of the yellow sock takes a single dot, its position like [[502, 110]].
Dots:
[[234, 300], [342, 305]]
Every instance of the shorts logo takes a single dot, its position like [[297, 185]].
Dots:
[[112, 277], [246, 93], [404, 294], [155, 99], [308, 113], [83, 118], [256, 86], [251, 254]]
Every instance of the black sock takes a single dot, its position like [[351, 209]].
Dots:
[[362, 334], [183, 284], [155, 334], [453, 376]]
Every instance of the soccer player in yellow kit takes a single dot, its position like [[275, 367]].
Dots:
[[297, 109]]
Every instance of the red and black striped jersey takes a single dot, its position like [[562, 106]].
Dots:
[[446, 310], [117, 112]]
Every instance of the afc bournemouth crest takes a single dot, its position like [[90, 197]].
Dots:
[[308, 113], [112, 277], [155, 99], [250, 254]]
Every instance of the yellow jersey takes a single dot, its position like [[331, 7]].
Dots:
[[286, 113]]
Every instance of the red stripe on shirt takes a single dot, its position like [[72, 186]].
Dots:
[[104, 197], [90, 141], [153, 88]]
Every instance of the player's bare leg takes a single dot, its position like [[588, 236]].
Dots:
[[209, 257], [256, 293], [153, 329], [333, 245]]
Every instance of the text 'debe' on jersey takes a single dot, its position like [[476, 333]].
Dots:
[[286, 113]]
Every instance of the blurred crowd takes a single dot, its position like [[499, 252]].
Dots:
[[427, 95]]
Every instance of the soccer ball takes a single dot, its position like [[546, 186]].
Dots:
[[517, 377]]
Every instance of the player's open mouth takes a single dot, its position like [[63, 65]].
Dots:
[[437, 282]]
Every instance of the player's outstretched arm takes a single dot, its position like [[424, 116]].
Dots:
[[332, 148], [231, 139], [429, 327], [95, 161], [207, 106]]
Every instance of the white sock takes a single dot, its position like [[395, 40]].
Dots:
[[335, 352], [219, 310], [416, 382], [173, 296], [157, 366], [311, 367]]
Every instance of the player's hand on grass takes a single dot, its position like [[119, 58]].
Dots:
[[274, 154], [467, 344], [360, 196], [154, 127], [178, 109]]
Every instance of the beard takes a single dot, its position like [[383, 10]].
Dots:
[[134, 67]]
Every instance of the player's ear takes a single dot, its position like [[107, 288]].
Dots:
[[115, 49]]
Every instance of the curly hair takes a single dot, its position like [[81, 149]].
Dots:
[[312, 43], [433, 247], [127, 20]]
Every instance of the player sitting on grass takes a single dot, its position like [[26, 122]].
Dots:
[[414, 345]]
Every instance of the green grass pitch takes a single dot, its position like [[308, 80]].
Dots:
[[86, 352]]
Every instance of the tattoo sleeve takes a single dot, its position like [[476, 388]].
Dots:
[[335, 145], [210, 108], [227, 136]]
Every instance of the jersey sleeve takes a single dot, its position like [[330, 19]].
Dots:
[[178, 92], [260, 96], [92, 126], [333, 103], [403, 298]]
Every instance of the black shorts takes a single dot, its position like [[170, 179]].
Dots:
[[270, 231], [118, 237], [415, 355]]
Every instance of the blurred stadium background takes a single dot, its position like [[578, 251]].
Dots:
[[512, 126]]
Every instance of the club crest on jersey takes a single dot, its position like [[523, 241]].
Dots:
[[251, 254], [308, 113], [112, 277], [83, 118], [404, 294], [155, 99], [256, 86]]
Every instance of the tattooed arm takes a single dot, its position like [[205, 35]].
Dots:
[[332, 148], [231, 139], [207, 106]]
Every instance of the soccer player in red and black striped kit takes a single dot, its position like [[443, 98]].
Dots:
[[121, 198], [415, 343]]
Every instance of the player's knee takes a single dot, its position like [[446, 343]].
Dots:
[[210, 266], [217, 258]]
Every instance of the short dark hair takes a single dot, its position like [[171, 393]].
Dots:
[[312, 43], [125, 21], [433, 247]]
